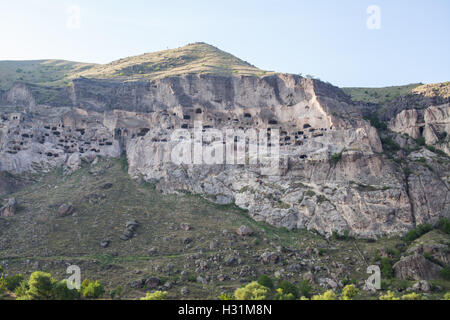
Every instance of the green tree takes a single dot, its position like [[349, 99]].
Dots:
[[12, 282], [389, 296], [328, 295], [349, 292], [157, 295], [60, 291], [288, 288], [252, 291], [92, 289], [40, 286], [265, 281], [386, 268], [281, 295], [305, 289]]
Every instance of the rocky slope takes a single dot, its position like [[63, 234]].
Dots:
[[334, 173]]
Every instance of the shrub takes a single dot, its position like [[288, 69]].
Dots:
[[389, 296], [305, 289], [375, 122], [281, 295], [157, 295], [252, 291], [445, 273], [40, 286], [328, 295], [288, 288], [417, 232], [92, 289], [420, 141], [60, 291], [226, 296], [444, 225], [389, 144], [117, 292], [14, 281], [349, 292], [447, 296], [265, 281], [412, 296], [21, 291], [386, 268], [3, 285], [344, 236], [335, 158]]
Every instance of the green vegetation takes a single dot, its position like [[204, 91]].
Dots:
[[157, 295], [42, 286], [265, 281], [445, 273], [379, 95], [417, 232], [386, 268], [196, 58], [376, 123], [252, 291], [92, 289], [335, 158], [40, 72], [389, 144]]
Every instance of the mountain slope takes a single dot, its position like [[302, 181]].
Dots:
[[379, 95], [42, 72], [194, 58]]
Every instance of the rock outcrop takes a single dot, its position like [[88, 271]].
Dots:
[[323, 167], [416, 267], [9, 209]]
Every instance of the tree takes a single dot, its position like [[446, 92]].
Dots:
[[92, 289], [40, 286], [305, 289], [349, 292], [265, 281], [252, 291], [281, 295], [14, 281], [60, 291], [288, 288], [157, 295], [389, 296], [328, 295]]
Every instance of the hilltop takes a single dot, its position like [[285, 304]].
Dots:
[[193, 58]]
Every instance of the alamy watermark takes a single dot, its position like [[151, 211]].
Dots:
[[258, 147], [74, 281], [374, 19], [74, 19], [373, 283]]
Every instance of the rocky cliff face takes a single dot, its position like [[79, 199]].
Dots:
[[332, 173]]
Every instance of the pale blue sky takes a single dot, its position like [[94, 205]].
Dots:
[[328, 39]]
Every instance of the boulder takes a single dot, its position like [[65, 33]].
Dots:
[[152, 283], [244, 231], [65, 210], [270, 258], [185, 227], [416, 267], [132, 225], [421, 286], [9, 209], [104, 243]]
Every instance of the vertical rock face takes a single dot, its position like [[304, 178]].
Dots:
[[330, 172], [432, 124]]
